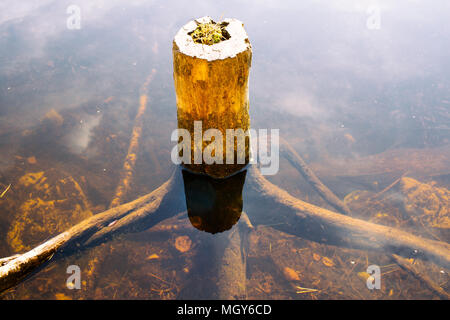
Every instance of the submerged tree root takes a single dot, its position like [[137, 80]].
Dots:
[[130, 159], [409, 267], [4, 261], [139, 214], [300, 165], [297, 217], [233, 263], [333, 200], [321, 225]]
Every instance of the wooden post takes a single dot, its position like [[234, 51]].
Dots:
[[211, 85]]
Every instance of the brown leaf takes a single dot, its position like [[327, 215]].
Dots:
[[62, 296], [183, 243], [328, 262], [31, 160], [290, 274]]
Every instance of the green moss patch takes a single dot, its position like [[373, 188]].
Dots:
[[210, 33]]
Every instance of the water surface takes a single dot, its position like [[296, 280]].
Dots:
[[362, 106]]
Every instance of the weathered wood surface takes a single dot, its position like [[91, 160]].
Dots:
[[211, 86]]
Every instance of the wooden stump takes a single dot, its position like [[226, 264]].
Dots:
[[211, 85]]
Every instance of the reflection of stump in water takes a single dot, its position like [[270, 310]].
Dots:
[[219, 270], [213, 205]]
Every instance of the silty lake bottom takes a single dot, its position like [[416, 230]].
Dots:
[[367, 108]]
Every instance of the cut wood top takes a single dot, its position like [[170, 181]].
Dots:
[[237, 43]]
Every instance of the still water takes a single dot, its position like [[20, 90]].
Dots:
[[361, 92]]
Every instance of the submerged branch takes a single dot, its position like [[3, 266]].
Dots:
[[137, 215], [322, 225], [409, 267], [4, 261], [300, 165], [298, 217], [133, 148], [232, 276], [332, 199]]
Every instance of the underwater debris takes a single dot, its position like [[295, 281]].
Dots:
[[54, 117], [32, 160], [427, 203], [306, 290], [291, 274], [183, 243], [49, 202], [152, 257], [62, 296], [6, 190], [409, 201], [327, 262]]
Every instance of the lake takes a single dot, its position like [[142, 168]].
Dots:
[[361, 91]]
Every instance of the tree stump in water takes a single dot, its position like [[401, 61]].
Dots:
[[211, 69]]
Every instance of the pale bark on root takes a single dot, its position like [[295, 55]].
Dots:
[[4, 261], [167, 200], [137, 215], [321, 225]]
